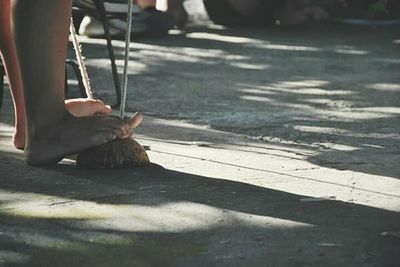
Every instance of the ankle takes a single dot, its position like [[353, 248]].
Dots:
[[44, 123]]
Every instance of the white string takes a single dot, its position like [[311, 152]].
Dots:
[[81, 62]]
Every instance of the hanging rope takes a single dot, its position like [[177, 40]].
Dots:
[[82, 66], [80, 59]]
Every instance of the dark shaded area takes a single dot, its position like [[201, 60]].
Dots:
[[342, 234], [198, 78], [268, 12], [221, 12]]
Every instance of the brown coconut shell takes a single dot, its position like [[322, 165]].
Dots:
[[120, 153]]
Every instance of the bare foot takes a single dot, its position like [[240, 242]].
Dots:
[[83, 107], [73, 134], [78, 107]]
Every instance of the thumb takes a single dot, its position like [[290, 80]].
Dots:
[[135, 120]]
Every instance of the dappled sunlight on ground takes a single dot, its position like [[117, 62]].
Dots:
[[264, 141], [390, 87], [176, 216], [95, 214]]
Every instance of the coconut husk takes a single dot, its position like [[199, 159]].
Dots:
[[120, 153]]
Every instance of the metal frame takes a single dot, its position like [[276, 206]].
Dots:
[[72, 63], [99, 12], [75, 67], [2, 75]]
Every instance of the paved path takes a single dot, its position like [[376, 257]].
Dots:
[[271, 147]]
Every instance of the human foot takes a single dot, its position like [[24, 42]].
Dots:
[[83, 107], [78, 107], [73, 134]]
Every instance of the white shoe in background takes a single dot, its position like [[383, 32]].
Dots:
[[92, 27], [147, 21]]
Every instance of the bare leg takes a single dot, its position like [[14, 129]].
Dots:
[[77, 107], [7, 48], [178, 12], [41, 35]]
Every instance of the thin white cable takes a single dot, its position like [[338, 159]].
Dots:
[[126, 58]]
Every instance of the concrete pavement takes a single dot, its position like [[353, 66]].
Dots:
[[270, 147]]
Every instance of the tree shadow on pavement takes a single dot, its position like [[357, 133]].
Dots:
[[331, 95], [153, 216]]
